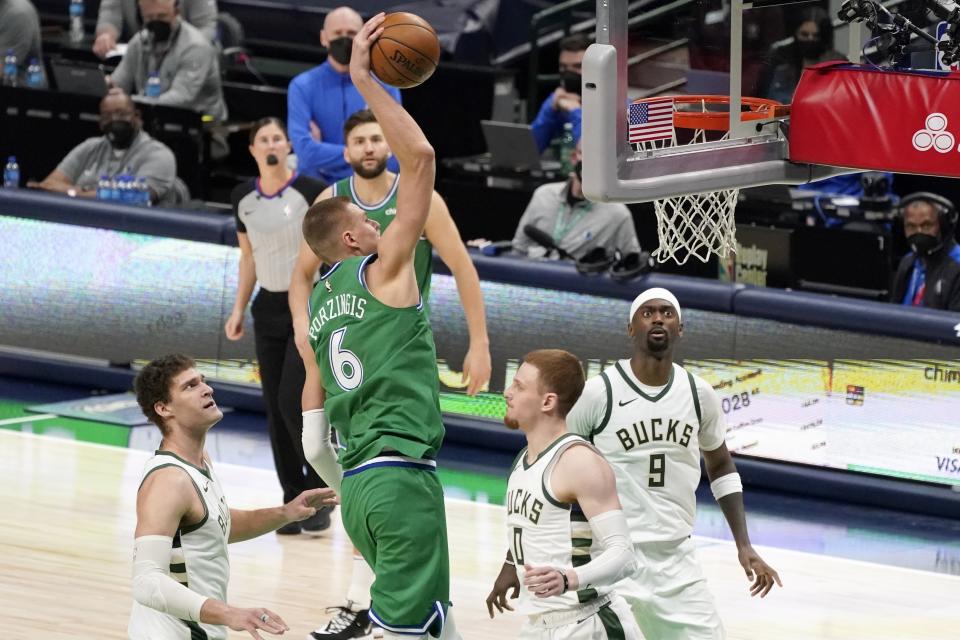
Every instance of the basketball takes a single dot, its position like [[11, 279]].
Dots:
[[407, 52]]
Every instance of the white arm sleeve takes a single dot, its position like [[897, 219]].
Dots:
[[713, 424], [318, 448], [587, 414], [617, 560], [152, 585]]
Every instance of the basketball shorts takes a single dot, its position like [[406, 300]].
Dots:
[[669, 595], [613, 620], [395, 516]]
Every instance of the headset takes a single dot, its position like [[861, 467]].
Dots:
[[946, 211]]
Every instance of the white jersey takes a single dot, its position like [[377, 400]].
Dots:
[[544, 532], [652, 437], [199, 559]]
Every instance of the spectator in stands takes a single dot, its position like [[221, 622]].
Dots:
[[576, 225], [563, 105], [120, 20], [20, 32], [320, 100], [812, 44], [929, 276], [183, 58], [124, 147], [269, 211]]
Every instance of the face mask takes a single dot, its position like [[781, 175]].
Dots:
[[340, 49], [120, 133], [159, 29], [810, 49], [572, 82], [924, 244], [272, 160]]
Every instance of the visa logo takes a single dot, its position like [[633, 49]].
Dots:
[[948, 465]]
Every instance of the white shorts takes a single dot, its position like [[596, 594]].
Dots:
[[611, 620], [669, 595]]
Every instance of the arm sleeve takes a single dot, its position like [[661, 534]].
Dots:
[[538, 202], [74, 162], [192, 72], [203, 15], [318, 448], [159, 169], [617, 561], [122, 76], [19, 31], [627, 240], [587, 414], [713, 424], [575, 118], [312, 156], [152, 585], [545, 124], [110, 15]]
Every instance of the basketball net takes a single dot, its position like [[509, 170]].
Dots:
[[694, 225]]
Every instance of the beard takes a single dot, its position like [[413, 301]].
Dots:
[[657, 347], [510, 423], [369, 174]]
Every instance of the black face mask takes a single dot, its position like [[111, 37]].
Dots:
[[159, 29], [340, 49], [571, 82], [272, 160], [120, 133], [810, 49], [924, 244]]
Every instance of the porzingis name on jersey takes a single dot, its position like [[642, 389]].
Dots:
[[519, 501], [339, 305], [640, 433]]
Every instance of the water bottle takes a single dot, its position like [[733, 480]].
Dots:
[[34, 74], [567, 145], [103, 187], [127, 193], [153, 85], [114, 190], [10, 69], [11, 174], [143, 190], [76, 21]]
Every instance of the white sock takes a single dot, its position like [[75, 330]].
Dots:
[[361, 580]]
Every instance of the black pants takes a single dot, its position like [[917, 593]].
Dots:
[[282, 376]]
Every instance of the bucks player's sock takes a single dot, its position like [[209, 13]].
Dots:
[[360, 583]]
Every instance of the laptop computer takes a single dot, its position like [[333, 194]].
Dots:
[[512, 146], [85, 78]]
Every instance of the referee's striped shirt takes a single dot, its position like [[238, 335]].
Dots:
[[273, 225]]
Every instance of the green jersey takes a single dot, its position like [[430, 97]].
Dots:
[[378, 365], [384, 213]]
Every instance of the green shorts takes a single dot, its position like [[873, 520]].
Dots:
[[395, 516]]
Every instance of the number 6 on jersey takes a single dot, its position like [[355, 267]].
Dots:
[[346, 367]]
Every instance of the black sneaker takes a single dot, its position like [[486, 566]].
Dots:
[[289, 529], [318, 522], [347, 623]]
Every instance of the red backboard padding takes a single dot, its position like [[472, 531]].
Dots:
[[858, 117]]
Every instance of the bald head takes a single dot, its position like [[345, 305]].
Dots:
[[162, 10], [339, 23], [116, 99]]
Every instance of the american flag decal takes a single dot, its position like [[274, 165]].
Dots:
[[651, 119]]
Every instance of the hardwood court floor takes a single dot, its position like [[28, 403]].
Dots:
[[67, 526]]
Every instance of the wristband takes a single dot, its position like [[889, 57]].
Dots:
[[725, 485], [566, 582]]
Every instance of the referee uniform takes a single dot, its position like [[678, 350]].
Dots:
[[273, 226]]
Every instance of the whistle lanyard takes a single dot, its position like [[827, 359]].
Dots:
[[561, 228]]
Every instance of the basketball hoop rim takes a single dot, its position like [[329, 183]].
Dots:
[[758, 109]]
